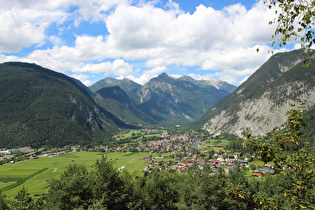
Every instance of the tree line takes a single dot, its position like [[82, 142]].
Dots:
[[106, 188]]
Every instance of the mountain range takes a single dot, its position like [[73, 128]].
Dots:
[[163, 100], [41, 107]]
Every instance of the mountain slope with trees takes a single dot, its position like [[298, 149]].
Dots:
[[116, 101], [125, 84], [42, 107]]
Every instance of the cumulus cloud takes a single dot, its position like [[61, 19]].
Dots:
[[223, 41], [148, 74], [23, 23], [211, 39], [83, 78], [201, 77], [133, 27], [16, 33], [118, 67]]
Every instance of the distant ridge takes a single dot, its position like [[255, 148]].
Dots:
[[125, 84], [165, 100]]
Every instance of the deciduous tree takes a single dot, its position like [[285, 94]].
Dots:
[[297, 164], [295, 19]]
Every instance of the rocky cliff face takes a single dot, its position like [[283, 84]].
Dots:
[[262, 101]]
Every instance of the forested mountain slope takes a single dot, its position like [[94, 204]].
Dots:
[[42, 107], [116, 101]]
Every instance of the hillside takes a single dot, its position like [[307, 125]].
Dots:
[[125, 84], [261, 102], [116, 101], [42, 107]]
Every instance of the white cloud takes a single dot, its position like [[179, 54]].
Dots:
[[83, 78], [16, 33], [134, 28], [234, 76], [209, 39], [56, 41], [148, 74], [201, 77], [237, 58], [166, 37], [4, 58], [118, 67], [23, 23]]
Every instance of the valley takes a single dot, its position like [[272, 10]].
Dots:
[[137, 152], [175, 142]]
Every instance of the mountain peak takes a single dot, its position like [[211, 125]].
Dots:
[[125, 84], [165, 78], [163, 75], [127, 80], [110, 80], [188, 79]]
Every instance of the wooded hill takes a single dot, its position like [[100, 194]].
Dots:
[[42, 107]]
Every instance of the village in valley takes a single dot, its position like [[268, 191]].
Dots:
[[186, 151], [166, 151]]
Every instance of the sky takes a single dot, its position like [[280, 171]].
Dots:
[[139, 39]]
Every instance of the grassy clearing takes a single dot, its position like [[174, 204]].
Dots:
[[130, 134], [37, 183]]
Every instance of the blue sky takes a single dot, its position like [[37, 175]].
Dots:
[[138, 39]]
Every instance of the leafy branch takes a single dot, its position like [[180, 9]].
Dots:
[[297, 163], [295, 20]]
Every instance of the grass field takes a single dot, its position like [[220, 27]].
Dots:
[[37, 172], [136, 133]]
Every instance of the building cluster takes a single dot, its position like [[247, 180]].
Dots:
[[184, 164], [165, 145], [11, 151]]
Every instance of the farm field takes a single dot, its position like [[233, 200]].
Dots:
[[38, 171]]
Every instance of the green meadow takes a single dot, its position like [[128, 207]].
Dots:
[[135, 133], [34, 174]]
